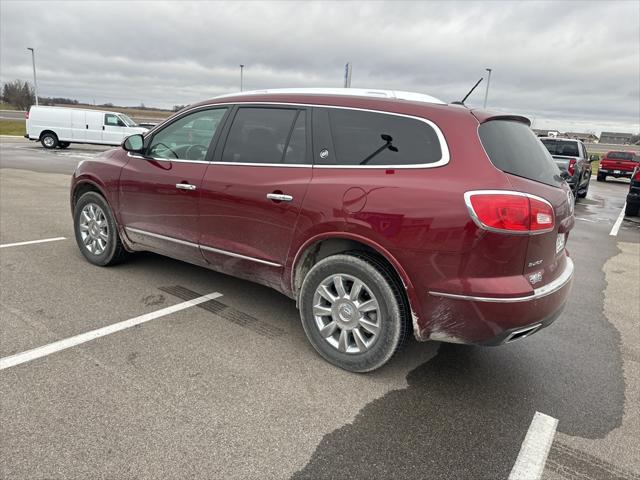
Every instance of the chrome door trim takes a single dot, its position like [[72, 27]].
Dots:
[[185, 186], [541, 292], [203, 247], [237, 255], [161, 237]]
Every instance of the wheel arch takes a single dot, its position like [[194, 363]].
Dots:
[[47, 130], [327, 244]]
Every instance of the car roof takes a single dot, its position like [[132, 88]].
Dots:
[[342, 92]]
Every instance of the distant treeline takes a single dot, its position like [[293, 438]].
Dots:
[[21, 95]]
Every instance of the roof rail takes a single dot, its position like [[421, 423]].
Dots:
[[352, 92]]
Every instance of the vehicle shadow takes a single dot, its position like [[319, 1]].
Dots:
[[464, 415]]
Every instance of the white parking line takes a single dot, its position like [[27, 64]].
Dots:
[[55, 239], [535, 448], [616, 226], [45, 350]]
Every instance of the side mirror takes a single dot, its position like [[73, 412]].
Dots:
[[594, 158], [134, 143]]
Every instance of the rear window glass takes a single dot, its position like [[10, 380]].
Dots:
[[555, 147], [621, 155], [513, 148], [370, 138]]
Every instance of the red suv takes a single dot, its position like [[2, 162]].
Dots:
[[381, 213]]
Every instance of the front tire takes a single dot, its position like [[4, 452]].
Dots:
[[353, 311], [96, 231], [49, 140]]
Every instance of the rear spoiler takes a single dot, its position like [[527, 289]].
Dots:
[[484, 116]]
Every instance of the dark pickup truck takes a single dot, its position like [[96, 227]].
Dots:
[[571, 157]]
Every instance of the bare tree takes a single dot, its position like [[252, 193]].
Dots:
[[18, 93]]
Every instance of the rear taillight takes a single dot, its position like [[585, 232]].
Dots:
[[571, 169], [26, 114], [636, 175], [509, 212]]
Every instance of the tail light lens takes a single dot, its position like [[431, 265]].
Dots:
[[636, 175], [510, 212], [26, 114], [571, 169]]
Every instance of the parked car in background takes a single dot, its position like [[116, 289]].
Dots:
[[61, 126], [617, 164], [358, 204], [571, 157], [633, 197]]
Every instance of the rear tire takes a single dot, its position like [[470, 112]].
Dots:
[[49, 140], [601, 178], [631, 210], [96, 231], [63, 144], [353, 312]]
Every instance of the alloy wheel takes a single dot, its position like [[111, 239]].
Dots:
[[346, 313]]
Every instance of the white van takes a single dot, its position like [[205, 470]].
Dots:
[[61, 126]]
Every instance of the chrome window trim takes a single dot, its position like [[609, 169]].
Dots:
[[177, 160], [538, 293], [478, 222], [203, 247], [444, 147]]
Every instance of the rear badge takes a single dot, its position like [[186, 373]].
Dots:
[[535, 278], [534, 264]]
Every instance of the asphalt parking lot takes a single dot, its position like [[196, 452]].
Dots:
[[230, 388]]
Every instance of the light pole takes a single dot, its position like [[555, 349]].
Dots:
[[241, 79], [35, 83], [486, 92]]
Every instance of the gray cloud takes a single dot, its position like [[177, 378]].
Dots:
[[573, 65]]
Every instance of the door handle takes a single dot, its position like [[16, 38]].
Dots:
[[185, 186], [279, 197]]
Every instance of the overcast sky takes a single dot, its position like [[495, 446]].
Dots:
[[570, 65]]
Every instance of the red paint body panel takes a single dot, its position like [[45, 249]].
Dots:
[[415, 217]]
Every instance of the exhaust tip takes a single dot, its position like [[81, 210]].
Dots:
[[522, 333]]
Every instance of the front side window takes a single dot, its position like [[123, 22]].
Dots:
[[127, 121], [371, 138], [112, 120], [188, 138], [266, 135]]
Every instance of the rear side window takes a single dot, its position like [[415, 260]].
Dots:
[[370, 138], [559, 147], [513, 148], [621, 155], [266, 135]]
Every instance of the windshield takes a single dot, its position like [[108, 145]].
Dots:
[[127, 121], [513, 148], [621, 155], [555, 147]]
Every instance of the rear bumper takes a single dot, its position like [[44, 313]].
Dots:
[[611, 173], [489, 320]]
